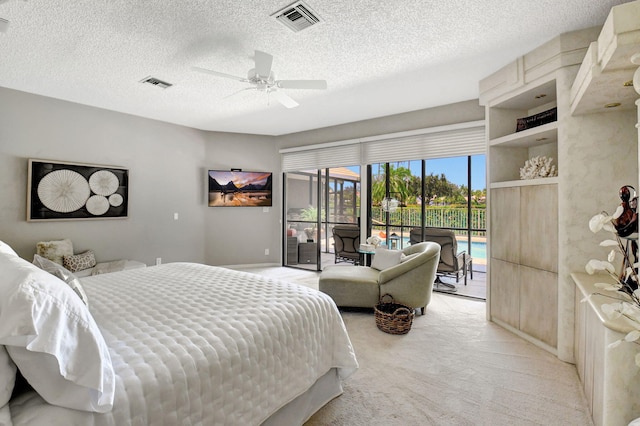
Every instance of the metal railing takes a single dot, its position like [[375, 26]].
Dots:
[[435, 216]]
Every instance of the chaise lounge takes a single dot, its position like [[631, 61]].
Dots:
[[406, 275]]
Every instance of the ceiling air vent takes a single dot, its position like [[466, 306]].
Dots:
[[297, 16], [156, 82]]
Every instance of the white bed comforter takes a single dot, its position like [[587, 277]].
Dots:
[[201, 345]]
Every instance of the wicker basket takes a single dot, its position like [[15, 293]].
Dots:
[[391, 317]]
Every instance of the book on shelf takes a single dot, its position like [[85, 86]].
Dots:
[[545, 117]]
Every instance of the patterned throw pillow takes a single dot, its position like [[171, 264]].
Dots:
[[79, 262], [54, 250]]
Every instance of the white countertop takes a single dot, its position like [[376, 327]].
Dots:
[[586, 284]]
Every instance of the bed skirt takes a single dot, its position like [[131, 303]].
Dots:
[[298, 411]]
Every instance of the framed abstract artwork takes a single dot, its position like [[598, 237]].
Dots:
[[76, 191]]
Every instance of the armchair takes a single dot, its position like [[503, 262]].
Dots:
[[346, 241], [451, 263], [410, 282]]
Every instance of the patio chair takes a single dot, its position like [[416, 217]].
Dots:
[[346, 241], [452, 263]]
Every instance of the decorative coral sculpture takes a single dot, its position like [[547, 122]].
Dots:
[[538, 167]]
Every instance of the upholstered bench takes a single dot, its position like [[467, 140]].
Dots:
[[81, 264], [106, 267], [408, 278]]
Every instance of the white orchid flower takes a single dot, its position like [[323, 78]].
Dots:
[[628, 273], [595, 265], [628, 308], [608, 286], [632, 336], [614, 344], [612, 310], [598, 221], [603, 221], [631, 312], [609, 243], [618, 212]]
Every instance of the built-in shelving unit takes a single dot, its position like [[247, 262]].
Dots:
[[521, 182], [603, 81], [523, 234], [537, 230], [523, 243], [508, 148], [547, 133]]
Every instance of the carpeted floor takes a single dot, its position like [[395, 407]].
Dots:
[[452, 368]]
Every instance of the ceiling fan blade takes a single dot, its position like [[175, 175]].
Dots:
[[302, 84], [263, 63], [284, 99], [218, 74]]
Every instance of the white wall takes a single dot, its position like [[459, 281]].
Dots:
[[460, 112], [240, 235], [167, 174], [164, 163]]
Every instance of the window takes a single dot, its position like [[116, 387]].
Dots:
[[431, 193]]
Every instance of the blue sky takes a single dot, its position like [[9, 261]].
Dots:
[[454, 168]]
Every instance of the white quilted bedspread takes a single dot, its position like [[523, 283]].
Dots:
[[199, 345]]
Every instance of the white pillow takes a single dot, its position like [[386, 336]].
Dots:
[[7, 376], [6, 248], [62, 273], [53, 339], [385, 258]]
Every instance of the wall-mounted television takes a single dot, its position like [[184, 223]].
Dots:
[[235, 188]]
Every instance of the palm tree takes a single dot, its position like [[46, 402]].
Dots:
[[399, 183]]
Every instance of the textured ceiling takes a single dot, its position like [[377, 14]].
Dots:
[[378, 57]]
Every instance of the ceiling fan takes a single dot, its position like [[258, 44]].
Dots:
[[263, 79]]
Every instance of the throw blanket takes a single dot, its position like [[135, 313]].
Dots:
[[200, 345]]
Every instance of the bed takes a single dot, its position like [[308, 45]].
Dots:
[[178, 343]]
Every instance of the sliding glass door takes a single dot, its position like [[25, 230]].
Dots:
[[316, 201], [447, 193], [341, 187], [303, 223]]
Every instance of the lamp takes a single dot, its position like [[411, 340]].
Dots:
[[393, 239], [390, 204]]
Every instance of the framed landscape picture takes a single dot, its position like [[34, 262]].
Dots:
[[76, 191], [236, 188]]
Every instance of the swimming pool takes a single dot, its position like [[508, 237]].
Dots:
[[478, 248]]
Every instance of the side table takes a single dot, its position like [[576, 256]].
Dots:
[[365, 257], [308, 253]]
